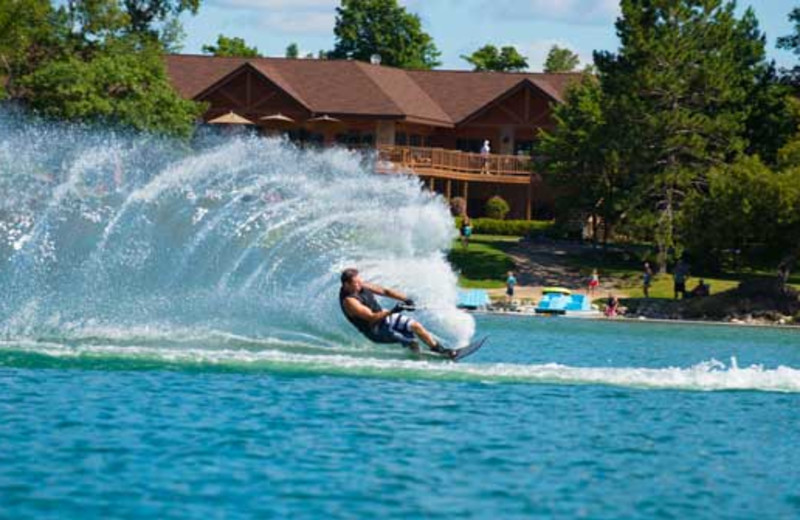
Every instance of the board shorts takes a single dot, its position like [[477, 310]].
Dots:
[[594, 283], [466, 232], [510, 290], [680, 287], [394, 328]]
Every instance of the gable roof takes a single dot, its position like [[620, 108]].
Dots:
[[441, 98]]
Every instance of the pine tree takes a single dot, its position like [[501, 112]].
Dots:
[[677, 90]]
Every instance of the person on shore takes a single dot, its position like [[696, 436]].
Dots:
[[594, 282], [702, 290], [511, 282], [647, 279], [612, 307], [486, 151], [679, 278], [466, 231], [358, 303]]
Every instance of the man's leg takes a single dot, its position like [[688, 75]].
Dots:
[[422, 334]]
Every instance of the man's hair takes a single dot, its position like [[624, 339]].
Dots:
[[348, 274]]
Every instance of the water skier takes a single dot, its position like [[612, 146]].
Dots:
[[358, 303]]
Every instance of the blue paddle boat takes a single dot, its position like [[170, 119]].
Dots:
[[560, 301]]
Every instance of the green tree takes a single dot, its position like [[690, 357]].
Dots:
[[677, 91], [581, 159], [367, 27], [792, 43], [292, 51], [749, 213], [561, 60], [87, 61], [144, 14], [489, 57], [124, 87], [28, 35], [231, 47]]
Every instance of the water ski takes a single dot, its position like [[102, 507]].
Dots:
[[460, 353], [470, 349]]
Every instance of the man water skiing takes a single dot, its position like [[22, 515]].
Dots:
[[357, 299]]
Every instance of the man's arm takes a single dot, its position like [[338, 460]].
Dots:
[[382, 291], [356, 309]]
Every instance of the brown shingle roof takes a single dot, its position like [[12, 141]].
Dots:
[[193, 74], [356, 88]]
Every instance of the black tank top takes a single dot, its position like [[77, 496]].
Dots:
[[367, 298]]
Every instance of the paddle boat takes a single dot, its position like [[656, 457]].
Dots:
[[473, 300], [561, 301]]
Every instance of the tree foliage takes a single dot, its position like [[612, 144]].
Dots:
[[235, 47], [292, 51], [96, 61], [581, 158], [367, 27], [561, 60], [677, 92], [489, 57], [127, 88], [497, 208], [750, 214], [27, 37], [791, 43]]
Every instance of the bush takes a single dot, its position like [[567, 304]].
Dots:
[[520, 228], [497, 208]]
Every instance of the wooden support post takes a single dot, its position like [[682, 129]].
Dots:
[[449, 189], [465, 194], [432, 184], [529, 205]]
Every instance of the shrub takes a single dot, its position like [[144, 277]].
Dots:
[[497, 208], [489, 226]]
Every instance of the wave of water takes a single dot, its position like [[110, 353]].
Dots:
[[241, 234], [213, 350]]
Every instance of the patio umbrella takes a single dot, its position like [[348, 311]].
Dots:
[[278, 121], [231, 118], [325, 121]]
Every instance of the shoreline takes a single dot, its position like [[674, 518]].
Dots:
[[644, 320]]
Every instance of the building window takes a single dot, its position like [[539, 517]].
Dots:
[[415, 140], [401, 139], [469, 145], [523, 147]]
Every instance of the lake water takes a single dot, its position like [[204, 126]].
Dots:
[[553, 418]]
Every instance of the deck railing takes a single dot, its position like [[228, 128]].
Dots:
[[419, 158]]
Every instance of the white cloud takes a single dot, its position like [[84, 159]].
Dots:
[[301, 23], [311, 17], [572, 11], [260, 5]]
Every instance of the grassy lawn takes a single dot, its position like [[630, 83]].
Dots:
[[485, 263], [625, 270]]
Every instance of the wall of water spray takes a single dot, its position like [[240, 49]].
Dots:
[[99, 228]]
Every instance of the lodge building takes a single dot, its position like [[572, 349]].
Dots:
[[430, 123]]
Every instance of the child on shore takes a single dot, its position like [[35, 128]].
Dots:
[[594, 282]]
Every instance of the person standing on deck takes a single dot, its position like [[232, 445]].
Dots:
[[486, 151]]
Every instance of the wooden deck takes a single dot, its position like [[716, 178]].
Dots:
[[438, 163]]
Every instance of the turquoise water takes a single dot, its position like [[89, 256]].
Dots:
[[171, 347], [554, 418]]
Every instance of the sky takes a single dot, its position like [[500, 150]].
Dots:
[[458, 27]]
